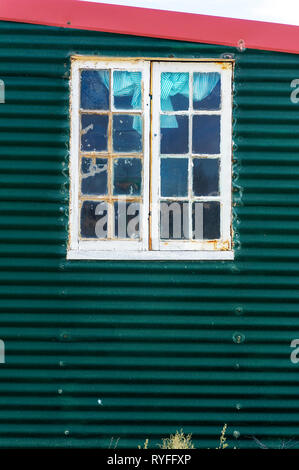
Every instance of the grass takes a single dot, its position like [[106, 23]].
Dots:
[[179, 440]]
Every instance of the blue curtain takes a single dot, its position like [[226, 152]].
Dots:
[[129, 84], [174, 83]]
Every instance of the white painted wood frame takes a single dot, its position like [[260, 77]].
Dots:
[[160, 250], [76, 243], [225, 113]]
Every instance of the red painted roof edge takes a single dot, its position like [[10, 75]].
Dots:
[[153, 23]]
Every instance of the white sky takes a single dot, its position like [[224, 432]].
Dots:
[[277, 11]]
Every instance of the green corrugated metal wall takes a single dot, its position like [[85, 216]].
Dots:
[[153, 341]]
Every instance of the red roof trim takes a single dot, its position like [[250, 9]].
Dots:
[[153, 23]]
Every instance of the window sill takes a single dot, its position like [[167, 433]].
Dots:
[[150, 255]]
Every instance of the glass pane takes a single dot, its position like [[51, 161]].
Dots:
[[174, 220], [94, 218], [206, 177], [127, 133], [126, 222], [94, 176], [127, 176], [174, 177], [206, 220], [206, 134], [94, 133], [174, 134], [174, 91], [95, 89], [206, 90], [127, 90]]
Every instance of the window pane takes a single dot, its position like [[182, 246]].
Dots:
[[127, 90], [174, 177], [174, 91], [94, 133], [94, 176], [206, 90], [127, 133], [206, 134], [127, 176], [174, 220], [126, 220], [206, 177], [206, 220], [94, 217], [174, 134], [95, 89]]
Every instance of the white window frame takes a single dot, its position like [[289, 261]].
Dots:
[[225, 156], [102, 246], [150, 247]]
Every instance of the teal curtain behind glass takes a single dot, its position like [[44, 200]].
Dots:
[[128, 84]]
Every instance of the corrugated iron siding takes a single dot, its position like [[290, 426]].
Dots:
[[155, 342]]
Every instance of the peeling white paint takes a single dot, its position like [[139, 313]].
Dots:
[[87, 129], [93, 170]]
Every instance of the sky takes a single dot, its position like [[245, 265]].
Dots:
[[277, 11]]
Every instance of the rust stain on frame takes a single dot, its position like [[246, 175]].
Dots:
[[150, 59], [225, 64], [150, 242]]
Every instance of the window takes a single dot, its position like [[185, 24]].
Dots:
[[150, 160]]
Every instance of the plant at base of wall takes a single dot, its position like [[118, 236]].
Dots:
[[222, 442], [177, 441], [181, 441]]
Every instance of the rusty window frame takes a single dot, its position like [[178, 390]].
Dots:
[[76, 242], [224, 243], [100, 249]]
